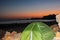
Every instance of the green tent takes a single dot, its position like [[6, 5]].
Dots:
[[37, 31]]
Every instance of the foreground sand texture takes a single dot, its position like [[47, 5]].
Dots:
[[58, 33], [58, 19], [57, 36], [12, 36]]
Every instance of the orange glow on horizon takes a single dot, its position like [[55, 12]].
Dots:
[[31, 14]]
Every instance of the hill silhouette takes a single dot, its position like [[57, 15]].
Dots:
[[49, 17], [46, 17]]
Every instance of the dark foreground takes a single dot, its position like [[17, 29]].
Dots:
[[18, 27]]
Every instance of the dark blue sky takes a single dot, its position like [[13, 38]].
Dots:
[[15, 6]]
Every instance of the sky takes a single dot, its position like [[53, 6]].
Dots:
[[28, 8]]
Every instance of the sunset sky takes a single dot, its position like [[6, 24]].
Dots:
[[28, 9]]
